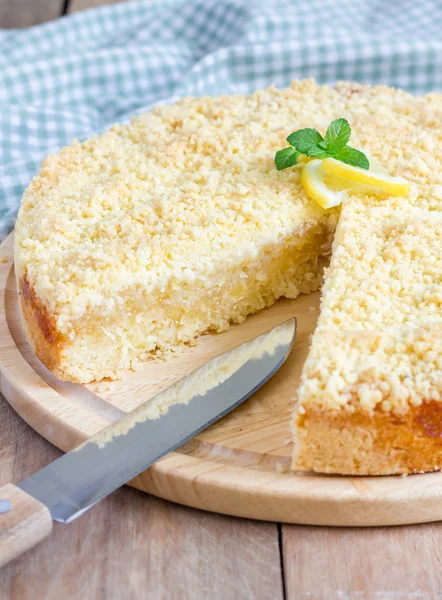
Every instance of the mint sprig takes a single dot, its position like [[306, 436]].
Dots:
[[310, 142]]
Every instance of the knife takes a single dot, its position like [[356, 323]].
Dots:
[[70, 485]]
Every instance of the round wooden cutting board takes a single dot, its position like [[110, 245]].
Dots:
[[240, 465]]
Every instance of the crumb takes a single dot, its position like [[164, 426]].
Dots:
[[104, 386]]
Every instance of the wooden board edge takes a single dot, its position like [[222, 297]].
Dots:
[[298, 499]]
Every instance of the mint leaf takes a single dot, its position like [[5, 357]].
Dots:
[[318, 152], [304, 138], [354, 157], [337, 135], [323, 144], [288, 157]]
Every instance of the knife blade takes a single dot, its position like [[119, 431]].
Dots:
[[79, 479]]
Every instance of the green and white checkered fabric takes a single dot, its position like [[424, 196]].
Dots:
[[75, 76]]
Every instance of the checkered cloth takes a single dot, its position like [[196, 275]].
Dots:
[[75, 76]]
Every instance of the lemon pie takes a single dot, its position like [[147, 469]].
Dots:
[[141, 239]]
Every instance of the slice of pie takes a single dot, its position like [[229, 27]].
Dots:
[[141, 239], [370, 398]]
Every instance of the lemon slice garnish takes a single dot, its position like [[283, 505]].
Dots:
[[328, 182], [312, 179], [379, 182]]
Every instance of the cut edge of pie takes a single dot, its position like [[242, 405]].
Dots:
[[184, 314]]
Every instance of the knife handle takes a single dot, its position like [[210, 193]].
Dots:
[[24, 522]]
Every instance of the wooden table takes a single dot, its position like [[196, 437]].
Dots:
[[132, 546]]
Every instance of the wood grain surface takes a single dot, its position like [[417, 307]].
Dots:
[[24, 13], [388, 563], [76, 5]]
